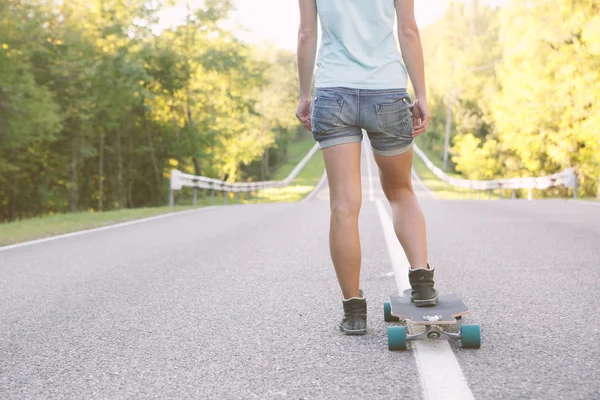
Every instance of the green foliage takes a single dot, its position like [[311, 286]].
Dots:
[[475, 160], [523, 82], [548, 113], [97, 104], [460, 52]]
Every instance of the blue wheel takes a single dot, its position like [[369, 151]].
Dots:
[[387, 313], [396, 338], [470, 336]]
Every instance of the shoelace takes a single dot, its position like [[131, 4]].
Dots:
[[355, 309]]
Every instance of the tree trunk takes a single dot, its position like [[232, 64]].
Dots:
[[267, 163], [197, 166], [153, 156], [129, 174], [130, 202], [119, 172], [74, 176], [12, 199], [262, 166], [101, 173], [196, 160]]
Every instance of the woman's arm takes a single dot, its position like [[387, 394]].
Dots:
[[307, 52], [412, 52]]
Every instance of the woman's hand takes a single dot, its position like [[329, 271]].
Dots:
[[421, 117], [303, 113]]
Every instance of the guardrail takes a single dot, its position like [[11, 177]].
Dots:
[[180, 180], [566, 178]]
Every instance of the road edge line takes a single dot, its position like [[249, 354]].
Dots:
[[101, 228], [420, 182], [316, 190]]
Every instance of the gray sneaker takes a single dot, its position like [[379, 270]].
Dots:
[[421, 280], [355, 316]]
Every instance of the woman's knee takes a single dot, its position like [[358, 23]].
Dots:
[[400, 193], [348, 209]]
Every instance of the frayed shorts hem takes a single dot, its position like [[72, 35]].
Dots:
[[340, 140], [394, 152], [323, 144]]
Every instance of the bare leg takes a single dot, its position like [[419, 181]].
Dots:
[[343, 173], [409, 223]]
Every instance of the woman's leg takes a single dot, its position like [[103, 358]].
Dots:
[[343, 173], [409, 223]]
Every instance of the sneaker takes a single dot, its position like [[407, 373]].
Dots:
[[355, 316], [421, 280]]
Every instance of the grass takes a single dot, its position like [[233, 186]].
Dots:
[[304, 183], [440, 188], [296, 152], [57, 224], [448, 192], [51, 225]]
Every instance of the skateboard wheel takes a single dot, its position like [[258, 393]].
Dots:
[[470, 336], [396, 338], [387, 313]]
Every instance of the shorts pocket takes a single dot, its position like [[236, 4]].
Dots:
[[326, 113], [395, 119]]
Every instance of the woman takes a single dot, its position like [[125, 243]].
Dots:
[[361, 83]]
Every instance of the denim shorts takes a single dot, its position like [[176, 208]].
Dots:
[[338, 116]]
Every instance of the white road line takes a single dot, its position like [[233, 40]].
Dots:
[[316, 189], [103, 228], [440, 374], [397, 256], [368, 157], [422, 184], [439, 371]]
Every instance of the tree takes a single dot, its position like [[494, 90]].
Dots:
[[461, 51], [548, 113], [97, 104]]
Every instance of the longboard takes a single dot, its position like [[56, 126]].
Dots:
[[449, 309]]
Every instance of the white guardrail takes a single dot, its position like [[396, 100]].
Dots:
[[180, 180], [566, 178]]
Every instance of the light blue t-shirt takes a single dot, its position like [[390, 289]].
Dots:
[[358, 48]]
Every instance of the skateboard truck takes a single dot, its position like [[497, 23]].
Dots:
[[433, 332], [469, 335]]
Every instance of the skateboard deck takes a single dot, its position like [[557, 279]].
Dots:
[[447, 310]]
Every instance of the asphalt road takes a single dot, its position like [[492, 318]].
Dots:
[[241, 302]]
